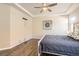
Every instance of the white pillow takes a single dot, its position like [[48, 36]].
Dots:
[[74, 35]]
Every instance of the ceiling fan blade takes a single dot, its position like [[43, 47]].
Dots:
[[54, 4], [41, 11], [49, 10], [37, 7]]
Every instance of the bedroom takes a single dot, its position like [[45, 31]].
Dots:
[[24, 27]]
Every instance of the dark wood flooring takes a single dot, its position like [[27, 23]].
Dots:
[[28, 48]]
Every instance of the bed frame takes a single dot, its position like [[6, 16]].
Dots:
[[39, 44]]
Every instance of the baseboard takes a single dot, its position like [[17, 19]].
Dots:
[[36, 37], [26, 39], [5, 48]]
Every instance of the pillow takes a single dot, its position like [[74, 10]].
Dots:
[[74, 35], [70, 35]]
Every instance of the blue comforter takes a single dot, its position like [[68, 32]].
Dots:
[[60, 44]]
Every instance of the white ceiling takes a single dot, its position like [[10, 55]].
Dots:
[[61, 8]]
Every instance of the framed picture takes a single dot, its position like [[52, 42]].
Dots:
[[47, 24]]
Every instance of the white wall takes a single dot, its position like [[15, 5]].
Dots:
[[13, 29], [21, 30], [4, 26], [59, 26]]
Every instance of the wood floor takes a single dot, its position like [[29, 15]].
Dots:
[[25, 49]]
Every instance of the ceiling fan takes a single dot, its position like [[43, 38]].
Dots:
[[45, 7]]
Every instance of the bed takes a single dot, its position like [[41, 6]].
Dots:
[[59, 45]]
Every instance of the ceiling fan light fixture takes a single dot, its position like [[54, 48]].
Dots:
[[45, 9]]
